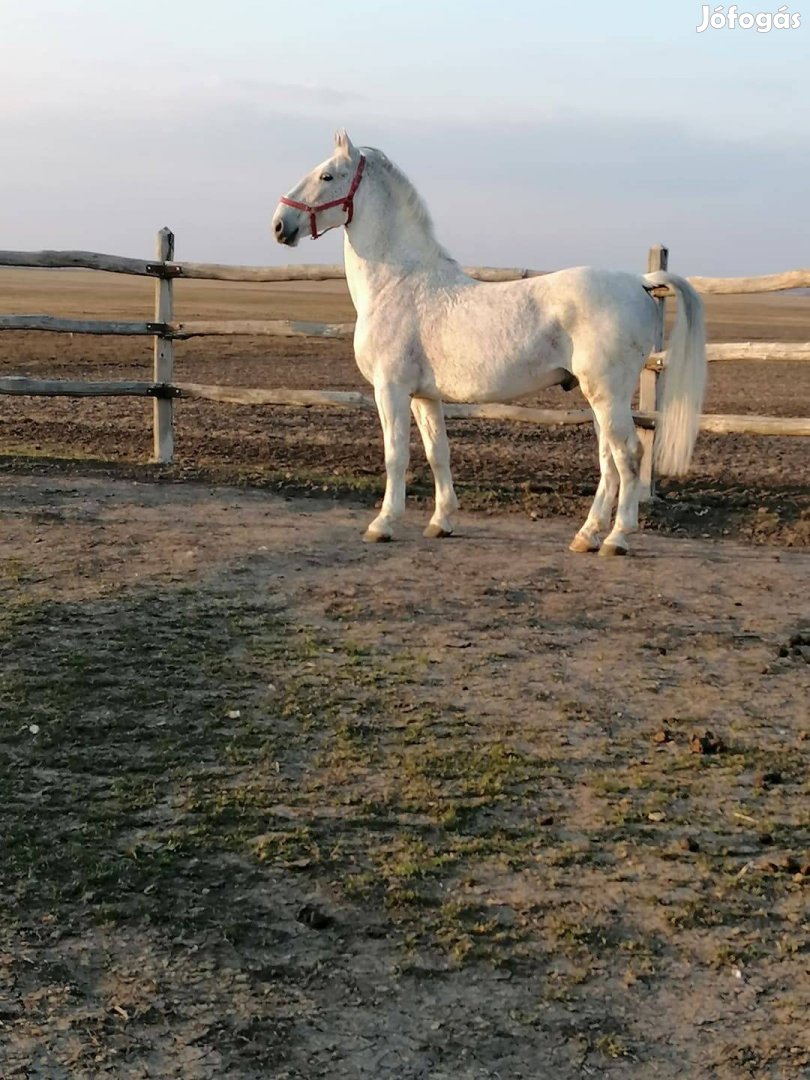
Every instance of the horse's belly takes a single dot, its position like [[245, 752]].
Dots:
[[481, 370], [491, 385]]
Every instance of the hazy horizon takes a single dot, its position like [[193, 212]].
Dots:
[[538, 136]]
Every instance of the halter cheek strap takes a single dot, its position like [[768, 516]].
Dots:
[[347, 202]]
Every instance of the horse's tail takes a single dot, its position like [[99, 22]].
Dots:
[[684, 379]]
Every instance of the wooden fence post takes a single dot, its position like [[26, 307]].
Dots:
[[162, 408], [657, 259]]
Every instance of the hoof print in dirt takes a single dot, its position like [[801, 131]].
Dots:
[[707, 743], [317, 918], [798, 646], [788, 864], [688, 843]]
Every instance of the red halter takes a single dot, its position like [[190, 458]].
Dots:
[[347, 202]]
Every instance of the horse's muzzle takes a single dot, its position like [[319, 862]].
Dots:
[[286, 232]]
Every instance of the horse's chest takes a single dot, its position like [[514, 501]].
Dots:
[[365, 363], [388, 350]]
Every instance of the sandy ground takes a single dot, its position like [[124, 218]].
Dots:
[[279, 804]]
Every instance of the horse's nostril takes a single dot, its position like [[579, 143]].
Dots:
[[279, 227]]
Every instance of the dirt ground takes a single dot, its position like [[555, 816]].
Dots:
[[279, 804], [740, 486]]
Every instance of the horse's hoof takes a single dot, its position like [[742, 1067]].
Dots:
[[371, 537], [436, 532], [582, 544], [612, 549]]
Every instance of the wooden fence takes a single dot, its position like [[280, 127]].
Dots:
[[165, 330]]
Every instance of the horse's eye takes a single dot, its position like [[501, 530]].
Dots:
[[326, 176]]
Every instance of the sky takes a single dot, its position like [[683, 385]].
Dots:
[[542, 134]]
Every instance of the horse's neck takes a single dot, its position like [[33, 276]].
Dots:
[[384, 243]]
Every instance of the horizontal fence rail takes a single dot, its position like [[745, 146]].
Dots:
[[745, 350], [722, 424], [259, 328], [56, 325], [165, 329], [116, 264], [180, 330], [22, 386], [765, 283], [732, 350]]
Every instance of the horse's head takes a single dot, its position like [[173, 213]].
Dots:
[[324, 199]]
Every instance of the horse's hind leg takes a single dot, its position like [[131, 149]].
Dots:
[[598, 521], [616, 421], [392, 405], [429, 417]]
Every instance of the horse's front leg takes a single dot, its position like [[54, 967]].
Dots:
[[429, 416], [395, 417]]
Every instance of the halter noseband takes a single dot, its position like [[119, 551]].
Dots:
[[347, 202]]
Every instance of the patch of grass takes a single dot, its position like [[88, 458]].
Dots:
[[584, 935], [612, 1046], [13, 571], [106, 708], [291, 847], [143, 755], [469, 932]]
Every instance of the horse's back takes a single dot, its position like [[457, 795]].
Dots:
[[605, 310]]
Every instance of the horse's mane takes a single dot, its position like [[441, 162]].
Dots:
[[412, 201]]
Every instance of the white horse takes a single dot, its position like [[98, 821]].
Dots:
[[426, 331]]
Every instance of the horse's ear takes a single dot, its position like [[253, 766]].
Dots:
[[343, 144]]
